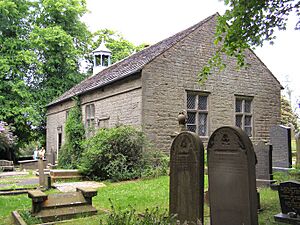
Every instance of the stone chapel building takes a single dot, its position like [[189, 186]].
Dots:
[[149, 88]]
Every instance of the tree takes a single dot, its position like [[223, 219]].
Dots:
[[114, 41], [288, 116], [59, 40], [41, 44], [249, 23], [16, 60]]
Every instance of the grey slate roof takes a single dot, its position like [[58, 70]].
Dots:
[[127, 66]]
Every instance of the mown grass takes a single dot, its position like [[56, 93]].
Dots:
[[139, 194]]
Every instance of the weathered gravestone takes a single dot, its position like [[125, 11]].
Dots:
[[297, 139], [41, 173], [280, 137], [289, 196], [263, 153], [231, 175], [187, 176]]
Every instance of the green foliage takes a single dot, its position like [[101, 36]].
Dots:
[[156, 164], [28, 148], [15, 60], [287, 114], [115, 42], [41, 43], [132, 217], [71, 151], [249, 23], [292, 174], [114, 154], [28, 218]]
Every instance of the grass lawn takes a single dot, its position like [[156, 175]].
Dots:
[[140, 194]]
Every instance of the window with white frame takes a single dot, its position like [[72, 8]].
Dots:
[[90, 119], [197, 113], [243, 114]]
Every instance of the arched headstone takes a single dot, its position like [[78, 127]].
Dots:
[[231, 174], [187, 177]]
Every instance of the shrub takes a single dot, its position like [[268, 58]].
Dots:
[[156, 164], [7, 141], [70, 152], [115, 154]]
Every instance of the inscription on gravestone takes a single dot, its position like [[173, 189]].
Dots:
[[187, 177], [289, 197], [231, 174], [280, 137]]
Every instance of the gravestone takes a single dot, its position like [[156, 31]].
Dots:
[[187, 176], [231, 176], [264, 163], [41, 172], [280, 137], [61, 206], [289, 196], [297, 139]]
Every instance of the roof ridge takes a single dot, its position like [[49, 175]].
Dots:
[[128, 65]]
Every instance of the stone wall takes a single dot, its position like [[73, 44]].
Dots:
[[153, 98], [56, 118], [119, 103], [167, 79]]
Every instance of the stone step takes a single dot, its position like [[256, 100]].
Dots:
[[53, 214], [64, 199], [64, 173]]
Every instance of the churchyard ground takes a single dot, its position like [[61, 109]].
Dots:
[[137, 194]]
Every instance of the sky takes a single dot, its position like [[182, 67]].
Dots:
[[145, 21]]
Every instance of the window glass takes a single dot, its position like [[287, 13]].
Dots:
[[243, 117], [202, 103], [247, 106], [191, 128], [248, 120], [191, 118], [238, 120], [202, 124], [197, 114], [191, 101], [238, 105], [90, 119]]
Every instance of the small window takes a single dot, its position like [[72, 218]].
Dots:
[[197, 113], [90, 119], [97, 60], [243, 114], [105, 60]]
